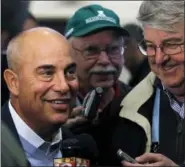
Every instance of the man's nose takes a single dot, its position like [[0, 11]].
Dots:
[[159, 56], [103, 59], [60, 84]]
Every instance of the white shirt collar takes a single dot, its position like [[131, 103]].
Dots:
[[27, 133]]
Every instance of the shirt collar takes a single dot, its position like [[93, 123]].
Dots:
[[27, 133], [170, 96]]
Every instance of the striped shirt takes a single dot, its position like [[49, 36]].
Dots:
[[179, 108]]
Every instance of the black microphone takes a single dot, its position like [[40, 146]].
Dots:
[[71, 147], [88, 146], [80, 148]]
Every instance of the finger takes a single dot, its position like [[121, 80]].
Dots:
[[77, 119], [76, 111], [159, 163], [164, 162], [74, 121], [81, 119], [149, 157], [125, 163]]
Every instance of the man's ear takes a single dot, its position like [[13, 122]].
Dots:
[[12, 81]]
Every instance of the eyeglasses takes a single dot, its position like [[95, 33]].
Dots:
[[93, 52], [166, 48]]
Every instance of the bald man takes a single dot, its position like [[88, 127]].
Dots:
[[41, 78]]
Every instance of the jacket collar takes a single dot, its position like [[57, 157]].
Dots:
[[134, 100], [158, 84]]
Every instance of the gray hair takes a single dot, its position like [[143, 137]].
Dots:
[[13, 53], [163, 15]]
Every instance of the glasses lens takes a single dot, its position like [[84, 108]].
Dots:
[[142, 47], [92, 51], [172, 49], [115, 50]]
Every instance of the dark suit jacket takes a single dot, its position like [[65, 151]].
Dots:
[[12, 154], [8, 121]]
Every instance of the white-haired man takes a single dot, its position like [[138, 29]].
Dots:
[[159, 110], [97, 39]]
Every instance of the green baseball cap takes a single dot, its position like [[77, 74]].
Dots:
[[92, 18]]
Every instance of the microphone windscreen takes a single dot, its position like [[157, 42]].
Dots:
[[71, 143], [82, 146], [88, 144]]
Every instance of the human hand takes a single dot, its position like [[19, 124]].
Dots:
[[75, 117], [151, 159]]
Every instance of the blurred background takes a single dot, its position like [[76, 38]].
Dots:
[[55, 13]]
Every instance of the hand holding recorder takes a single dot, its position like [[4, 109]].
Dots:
[[148, 159]]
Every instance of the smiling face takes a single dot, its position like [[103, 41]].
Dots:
[[94, 68], [168, 68], [47, 81]]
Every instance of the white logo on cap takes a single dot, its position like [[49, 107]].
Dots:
[[100, 16], [101, 13]]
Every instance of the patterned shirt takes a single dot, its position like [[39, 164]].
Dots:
[[179, 108]]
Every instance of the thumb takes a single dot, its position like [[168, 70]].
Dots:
[[143, 158], [76, 111]]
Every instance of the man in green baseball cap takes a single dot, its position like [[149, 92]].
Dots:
[[97, 40], [92, 18]]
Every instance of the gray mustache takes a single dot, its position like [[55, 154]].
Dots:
[[98, 69]]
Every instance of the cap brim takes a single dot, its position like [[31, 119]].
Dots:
[[100, 27]]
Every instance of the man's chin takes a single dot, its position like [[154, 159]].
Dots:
[[175, 84], [176, 88], [60, 119]]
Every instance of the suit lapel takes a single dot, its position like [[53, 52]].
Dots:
[[7, 119]]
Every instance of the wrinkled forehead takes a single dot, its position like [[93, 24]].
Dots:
[[158, 36], [56, 55]]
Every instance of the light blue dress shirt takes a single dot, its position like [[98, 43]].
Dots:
[[38, 151]]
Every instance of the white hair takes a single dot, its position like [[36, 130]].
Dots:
[[163, 15]]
